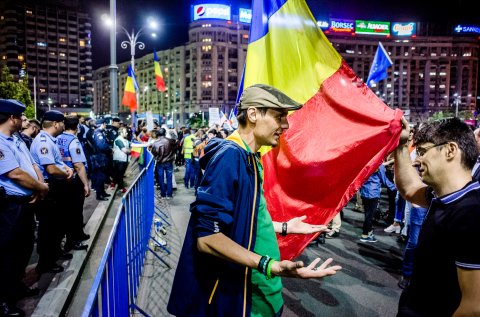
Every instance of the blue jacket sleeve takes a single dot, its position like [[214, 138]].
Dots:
[[213, 210], [384, 179]]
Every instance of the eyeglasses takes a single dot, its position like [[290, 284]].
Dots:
[[422, 151]]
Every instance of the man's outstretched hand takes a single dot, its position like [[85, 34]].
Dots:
[[296, 225], [297, 269]]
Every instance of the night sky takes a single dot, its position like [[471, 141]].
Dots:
[[174, 16]]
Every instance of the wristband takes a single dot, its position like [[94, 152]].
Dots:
[[284, 229], [269, 269], [262, 265]]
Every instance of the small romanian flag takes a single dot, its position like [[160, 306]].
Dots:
[[339, 137], [158, 73], [129, 97]]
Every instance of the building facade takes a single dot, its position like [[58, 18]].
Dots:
[[49, 41], [430, 73]]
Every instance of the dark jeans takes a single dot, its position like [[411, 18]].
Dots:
[[400, 208], [165, 170], [369, 207], [189, 179], [198, 173], [417, 215], [119, 169]]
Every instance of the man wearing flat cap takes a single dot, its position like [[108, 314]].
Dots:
[[21, 184], [230, 261], [47, 155]]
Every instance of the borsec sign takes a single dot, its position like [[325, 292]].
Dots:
[[211, 11]]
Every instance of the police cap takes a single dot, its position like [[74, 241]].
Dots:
[[11, 106], [53, 115]]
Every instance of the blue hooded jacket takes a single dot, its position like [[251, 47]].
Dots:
[[227, 202]]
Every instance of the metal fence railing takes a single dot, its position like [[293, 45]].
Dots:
[[114, 289]]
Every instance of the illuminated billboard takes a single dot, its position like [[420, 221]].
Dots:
[[404, 28], [467, 29], [323, 24], [244, 15], [211, 11], [372, 27], [341, 26]]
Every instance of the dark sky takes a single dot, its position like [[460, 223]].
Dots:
[[174, 16]]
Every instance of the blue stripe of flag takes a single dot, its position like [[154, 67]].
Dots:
[[262, 10]]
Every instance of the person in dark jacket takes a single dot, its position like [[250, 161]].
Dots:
[[370, 192], [100, 162], [230, 257], [163, 150]]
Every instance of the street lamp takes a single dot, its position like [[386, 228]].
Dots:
[[456, 100], [132, 41], [145, 101]]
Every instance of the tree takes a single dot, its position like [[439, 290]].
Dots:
[[10, 89]]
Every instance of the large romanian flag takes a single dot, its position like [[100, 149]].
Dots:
[[158, 73], [336, 140], [129, 96]]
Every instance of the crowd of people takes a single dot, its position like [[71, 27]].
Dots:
[[230, 261]]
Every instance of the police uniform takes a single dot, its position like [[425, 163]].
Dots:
[[17, 225], [72, 152], [100, 163], [50, 216]]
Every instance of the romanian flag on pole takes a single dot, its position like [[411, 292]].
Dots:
[[129, 96], [339, 137], [158, 73]]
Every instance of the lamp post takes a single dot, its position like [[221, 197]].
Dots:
[[145, 100], [132, 41], [113, 59], [456, 100]]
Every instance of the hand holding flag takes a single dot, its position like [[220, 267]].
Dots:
[[381, 62]]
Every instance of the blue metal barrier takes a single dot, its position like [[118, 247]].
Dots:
[[114, 289]]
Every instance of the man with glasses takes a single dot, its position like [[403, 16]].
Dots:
[[445, 278], [21, 184]]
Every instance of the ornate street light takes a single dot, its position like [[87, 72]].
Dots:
[[133, 42]]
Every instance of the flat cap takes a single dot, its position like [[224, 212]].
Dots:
[[11, 106], [264, 96], [53, 115]]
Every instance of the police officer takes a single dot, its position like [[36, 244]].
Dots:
[[21, 184], [102, 154], [76, 190], [50, 229], [112, 134]]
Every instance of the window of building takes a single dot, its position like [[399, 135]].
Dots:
[[20, 58], [62, 39]]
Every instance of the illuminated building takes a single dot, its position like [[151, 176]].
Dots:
[[49, 41]]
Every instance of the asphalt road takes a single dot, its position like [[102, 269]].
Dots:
[[366, 286]]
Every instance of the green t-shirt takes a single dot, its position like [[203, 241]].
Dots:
[[266, 294]]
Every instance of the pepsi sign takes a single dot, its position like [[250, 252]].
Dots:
[[211, 11], [404, 28]]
